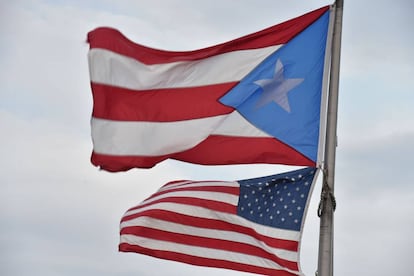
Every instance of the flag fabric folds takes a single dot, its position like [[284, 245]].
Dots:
[[252, 225], [255, 99]]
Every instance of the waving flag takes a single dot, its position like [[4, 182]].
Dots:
[[252, 225], [255, 99]]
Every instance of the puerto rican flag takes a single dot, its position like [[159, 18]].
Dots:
[[256, 99]]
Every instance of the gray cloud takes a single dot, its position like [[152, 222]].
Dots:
[[60, 214]]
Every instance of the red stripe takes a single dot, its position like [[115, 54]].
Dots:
[[216, 189], [113, 40], [215, 224], [200, 261], [207, 243], [198, 202], [227, 149], [159, 105], [210, 188], [184, 183], [215, 150]]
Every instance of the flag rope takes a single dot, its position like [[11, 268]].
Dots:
[[326, 194]]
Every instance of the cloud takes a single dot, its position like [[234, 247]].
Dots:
[[376, 44], [373, 229], [60, 214]]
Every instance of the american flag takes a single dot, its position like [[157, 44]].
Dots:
[[252, 225]]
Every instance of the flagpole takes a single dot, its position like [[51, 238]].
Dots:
[[327, 205]]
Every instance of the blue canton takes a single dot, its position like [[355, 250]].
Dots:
[[277, 200]]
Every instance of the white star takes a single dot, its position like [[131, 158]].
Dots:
[[276, 89]]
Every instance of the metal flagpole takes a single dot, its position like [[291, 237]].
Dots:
[[327, 204]]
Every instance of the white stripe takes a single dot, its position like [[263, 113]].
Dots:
[[209, 233], [202, 252], [150, 138], [172, 185], [237, 125], [159, 138], [201, 212], [216, 196], [113, 69], [185, 184]]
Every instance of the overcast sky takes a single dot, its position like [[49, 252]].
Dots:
[[59, 215]]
